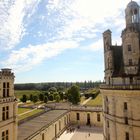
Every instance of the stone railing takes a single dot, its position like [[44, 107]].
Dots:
[[86, 108], [121, 87], [7, 99]]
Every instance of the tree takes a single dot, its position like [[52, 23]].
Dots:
[[31, 97], [74, 94], [61, 94], [57, 98], [45, 99], [55, 94], [51, 97], [46, 93], [52, 90], [24, 98], [41, 97], [35, 98]]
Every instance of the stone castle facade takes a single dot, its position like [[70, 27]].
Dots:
[[122, 63], [121, 91], [8, 106]]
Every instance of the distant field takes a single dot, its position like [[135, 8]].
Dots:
[[95, 102], [19, 93]]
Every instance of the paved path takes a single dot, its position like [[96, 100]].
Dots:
[[84, 133], [86, 101]]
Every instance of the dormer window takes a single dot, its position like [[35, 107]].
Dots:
[[129, 48]]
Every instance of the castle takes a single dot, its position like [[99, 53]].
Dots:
[[48, 125], [121, 95], [121, 91]]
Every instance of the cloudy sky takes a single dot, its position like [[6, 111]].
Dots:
[[57, 40]]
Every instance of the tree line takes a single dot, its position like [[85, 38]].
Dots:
[[72, 95], [59, 85]]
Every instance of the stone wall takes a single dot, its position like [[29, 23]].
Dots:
[[121, 114]]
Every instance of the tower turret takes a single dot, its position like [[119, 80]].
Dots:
[[131, 39], [132, 13]]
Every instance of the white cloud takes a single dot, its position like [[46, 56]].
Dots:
[[95, 46], [81, 18], [26, 58], [75, 21], [12, 15]]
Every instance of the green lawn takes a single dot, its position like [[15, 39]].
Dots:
[[19, 93], [95, 102], [82, 99], [22, 110], [29, 114]]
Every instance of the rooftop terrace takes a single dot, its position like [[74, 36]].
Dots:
[[121, 87]]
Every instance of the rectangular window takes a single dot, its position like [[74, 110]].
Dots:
[[43, 138], [67, 119], [59, 125], [106, 99], [7, 92], [98, 117], [126, 136], [108, 124], [7, 84], [65, 122], [129, 48], [5, 113], [6, 89], [77, 116], [108, 136], [5, 135], [4, 93], [125, 105], [126, 120], [4, 85]]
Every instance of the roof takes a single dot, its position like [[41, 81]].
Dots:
[[132, 4], [118, 63], [118, 60], [33, 126]]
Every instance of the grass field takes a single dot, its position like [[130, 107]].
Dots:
[[19, 93], [29, 113], [22, 110], [95, 102], [82, 99]]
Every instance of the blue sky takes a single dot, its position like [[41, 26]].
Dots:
[[57, 40]]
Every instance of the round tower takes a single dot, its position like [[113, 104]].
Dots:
[[132, 14], [121, 115], [130, 40]]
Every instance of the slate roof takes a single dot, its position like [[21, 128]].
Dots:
[[31, 127], [118, 60]]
